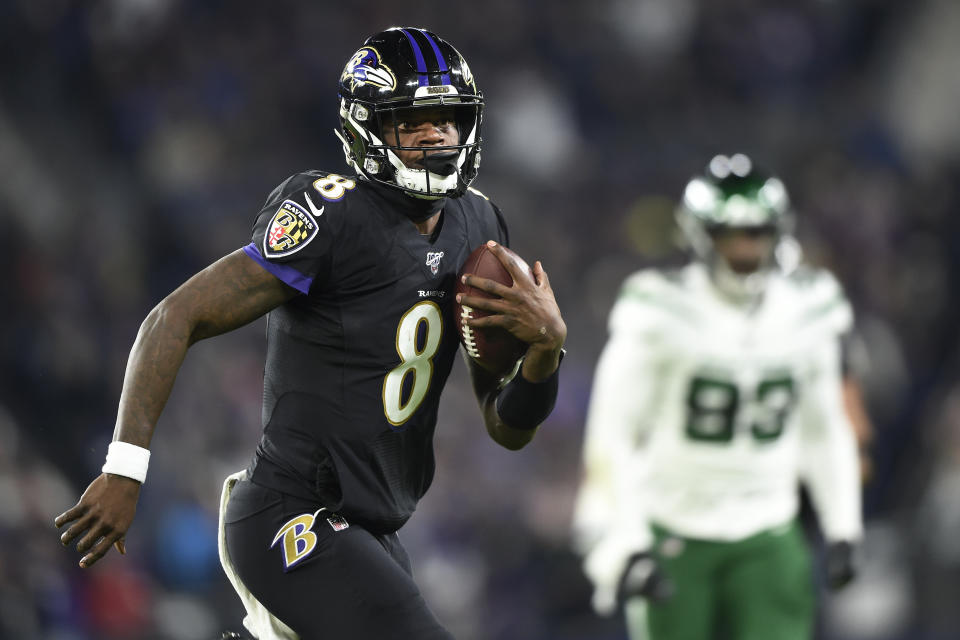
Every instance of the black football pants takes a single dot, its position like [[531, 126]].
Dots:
[[321, 578]]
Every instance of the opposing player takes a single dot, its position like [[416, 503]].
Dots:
[[719, 391], [357, 276]]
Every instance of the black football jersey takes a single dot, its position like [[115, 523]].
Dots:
[[356, 364]]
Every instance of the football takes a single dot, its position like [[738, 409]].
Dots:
[[494, 349]]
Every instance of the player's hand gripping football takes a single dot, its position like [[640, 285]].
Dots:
[[101, 517], [528, 310]]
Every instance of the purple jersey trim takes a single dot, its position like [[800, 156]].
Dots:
[[286, 274]]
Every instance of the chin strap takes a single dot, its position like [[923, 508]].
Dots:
[[427, 184]]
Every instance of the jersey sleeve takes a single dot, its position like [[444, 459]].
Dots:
[[495, 226], [830, 462], [648, 304], [619, 401], [609, 521], [826, 310], [502, 234], [292, 236]]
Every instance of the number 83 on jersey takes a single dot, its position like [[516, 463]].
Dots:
[[715, 405]]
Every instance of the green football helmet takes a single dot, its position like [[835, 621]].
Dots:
[[733, 194]]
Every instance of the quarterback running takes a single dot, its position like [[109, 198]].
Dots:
[[356, 274]]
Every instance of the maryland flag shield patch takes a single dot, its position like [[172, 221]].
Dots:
[[290, 229]]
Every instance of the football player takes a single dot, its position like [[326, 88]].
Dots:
[[356, 275], [717, 393]]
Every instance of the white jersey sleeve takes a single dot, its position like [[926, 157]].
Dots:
[[830, 466], [609, 523], [829, 463], [824, 309]]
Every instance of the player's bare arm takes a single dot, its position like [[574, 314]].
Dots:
[[226, 295], [529, 311]]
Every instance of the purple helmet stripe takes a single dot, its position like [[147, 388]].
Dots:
[[441, 63], [418, 54]]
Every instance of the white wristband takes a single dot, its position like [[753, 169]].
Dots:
[[125, 459]]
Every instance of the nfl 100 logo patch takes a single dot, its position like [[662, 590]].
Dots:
[[433, 261]]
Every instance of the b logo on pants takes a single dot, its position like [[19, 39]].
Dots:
[[298, 539]]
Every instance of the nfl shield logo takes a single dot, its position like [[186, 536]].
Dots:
[[433, 261], [338, 522]]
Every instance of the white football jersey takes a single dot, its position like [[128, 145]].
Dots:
[[705, 415]]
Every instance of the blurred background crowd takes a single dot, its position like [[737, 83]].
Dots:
[[138, 139]]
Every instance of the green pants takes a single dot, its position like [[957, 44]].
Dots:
[[759, 588]]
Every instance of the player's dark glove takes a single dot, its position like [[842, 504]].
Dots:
[[644, 577], [840, 569]]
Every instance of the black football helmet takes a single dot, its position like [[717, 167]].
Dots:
[[399, 69], [734, 194]]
